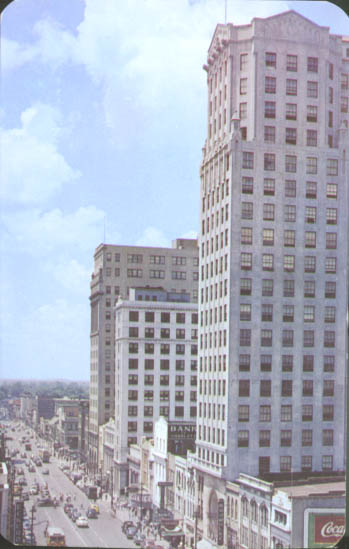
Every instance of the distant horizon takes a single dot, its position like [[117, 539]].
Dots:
[[44, 380]]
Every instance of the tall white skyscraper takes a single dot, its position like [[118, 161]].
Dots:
[[273, 287]]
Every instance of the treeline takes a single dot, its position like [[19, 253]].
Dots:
[[50, 388]]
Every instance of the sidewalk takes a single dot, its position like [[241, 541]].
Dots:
[[123, 513]]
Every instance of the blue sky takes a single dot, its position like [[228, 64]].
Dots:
[[103, 118]]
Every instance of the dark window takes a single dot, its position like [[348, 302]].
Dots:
[[244, 388], [133, 316], [307, 387], [286, 387], [149, 316], [265, 388]]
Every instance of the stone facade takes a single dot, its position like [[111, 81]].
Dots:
[[116, 270], [273, 287]]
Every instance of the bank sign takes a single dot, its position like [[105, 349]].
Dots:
[[325, 529]]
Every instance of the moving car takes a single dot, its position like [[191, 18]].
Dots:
[[92, 513], [45, 472], [67, 506], [45, 502], [75, 514], [95, 506], [82, 522]]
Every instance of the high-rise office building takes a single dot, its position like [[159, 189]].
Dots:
[[156, 335], [273, 287], [116, 270]]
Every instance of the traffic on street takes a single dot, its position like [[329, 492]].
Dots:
[[57, 509]]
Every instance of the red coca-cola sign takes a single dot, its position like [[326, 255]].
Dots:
[[328, 528]]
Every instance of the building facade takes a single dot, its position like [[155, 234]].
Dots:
[[155, 367], [273, 287], [116, 269]]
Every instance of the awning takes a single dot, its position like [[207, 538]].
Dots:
[[176, 531]]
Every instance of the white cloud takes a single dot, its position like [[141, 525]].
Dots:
[[40, 233], [153, 237], [32, 168], [146, 55], [57, 331], [71, 275]]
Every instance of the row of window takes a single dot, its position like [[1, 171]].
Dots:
[[148, 395], [149, 364], [312, 63], [163, 379], [175, 275], [212, 387], [285, 438], [291, 87], [211, 434], [148, 411], [286, 463], [217, 194], [290, 136], [289, 239], [289, 263], [221, 217], [265, 412], [220, 411], [286, 363], [153, 259], [266, 340], [153, 273], [265, 387], [165, 333], [287, 313], [290, 188], [165, 348], [289, 213], [289, 287], [290, 163], [149, 316]]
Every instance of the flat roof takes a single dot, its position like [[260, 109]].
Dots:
[[307, 490]]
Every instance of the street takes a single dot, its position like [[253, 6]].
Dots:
[[104, 531]]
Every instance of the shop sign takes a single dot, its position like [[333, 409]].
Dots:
[[182, 430], [325, 529]]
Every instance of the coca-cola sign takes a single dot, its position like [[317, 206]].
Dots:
[[328, 528]]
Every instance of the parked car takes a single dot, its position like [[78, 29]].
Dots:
[[25, 496], [131, 531], [34, 490], [139, 539], [126, 524], [82, 522], [29, 539]]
